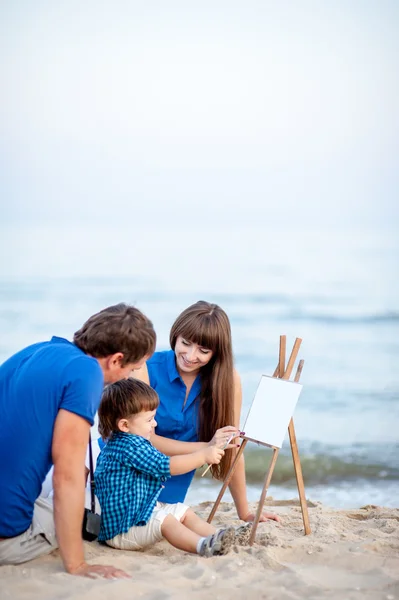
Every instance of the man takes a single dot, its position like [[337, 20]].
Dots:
[[49, 395]]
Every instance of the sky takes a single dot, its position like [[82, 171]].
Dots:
[[226, 137], [198, 112]]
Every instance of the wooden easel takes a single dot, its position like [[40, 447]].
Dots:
[[283, 373]]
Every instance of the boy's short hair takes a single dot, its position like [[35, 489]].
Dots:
[[119, 328], [122, 400]]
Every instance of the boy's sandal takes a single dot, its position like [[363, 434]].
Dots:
[[218, 543]]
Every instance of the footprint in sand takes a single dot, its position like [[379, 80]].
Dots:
[[194, 572]]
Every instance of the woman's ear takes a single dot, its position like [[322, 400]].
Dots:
[[123, 425]]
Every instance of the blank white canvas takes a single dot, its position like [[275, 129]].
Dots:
[[271, 410]]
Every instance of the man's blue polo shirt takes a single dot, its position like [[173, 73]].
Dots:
[[175, 419], [34, 384]]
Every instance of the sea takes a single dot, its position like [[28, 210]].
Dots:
[[336, 289]]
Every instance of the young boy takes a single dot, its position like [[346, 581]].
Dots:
[[129, 476]]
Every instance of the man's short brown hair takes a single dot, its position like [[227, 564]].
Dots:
[[119, 328]]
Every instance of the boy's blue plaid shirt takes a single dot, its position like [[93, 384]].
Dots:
[[128, 481]]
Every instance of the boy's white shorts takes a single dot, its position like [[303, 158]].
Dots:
[[139, 537]]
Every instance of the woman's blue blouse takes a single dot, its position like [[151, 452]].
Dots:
[[175, 419]]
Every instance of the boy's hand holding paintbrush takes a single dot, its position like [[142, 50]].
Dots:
[[225, 443], [213, 455]]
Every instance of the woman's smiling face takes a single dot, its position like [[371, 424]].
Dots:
[[191, 357]]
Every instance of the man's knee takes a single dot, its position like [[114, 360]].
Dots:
[[24, 547]]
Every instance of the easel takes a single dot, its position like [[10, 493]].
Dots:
[[281, 372]]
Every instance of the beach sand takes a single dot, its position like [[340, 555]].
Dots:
[[351, 554]]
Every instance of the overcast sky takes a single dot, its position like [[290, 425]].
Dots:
[[192, 110]]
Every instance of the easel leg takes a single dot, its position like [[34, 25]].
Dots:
[[299, 478], [227, 481], [297, 463], [292, 359], [281, 356], [263, 496]]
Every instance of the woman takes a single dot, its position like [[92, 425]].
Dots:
[[200, 393]]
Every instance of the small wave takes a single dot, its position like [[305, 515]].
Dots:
[[317, 468], [385, 317]]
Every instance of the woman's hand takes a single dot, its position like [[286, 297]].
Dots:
[[222, 436], [265, 516]]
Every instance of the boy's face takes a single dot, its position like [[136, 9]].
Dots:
[[142, 424]]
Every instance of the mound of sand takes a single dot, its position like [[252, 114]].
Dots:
[[352, 554]]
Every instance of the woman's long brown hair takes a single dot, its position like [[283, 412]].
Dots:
[[208, 326]]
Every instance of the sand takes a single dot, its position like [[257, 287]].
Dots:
[[351, 554]]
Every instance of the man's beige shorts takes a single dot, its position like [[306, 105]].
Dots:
[[147, 535], [37, 540]]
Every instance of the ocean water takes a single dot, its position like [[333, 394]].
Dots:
[[337, 290]]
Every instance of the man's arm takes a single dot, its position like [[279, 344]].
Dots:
[[70, 439]]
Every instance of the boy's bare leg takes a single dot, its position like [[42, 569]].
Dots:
[[179, 535], [196, 524]]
